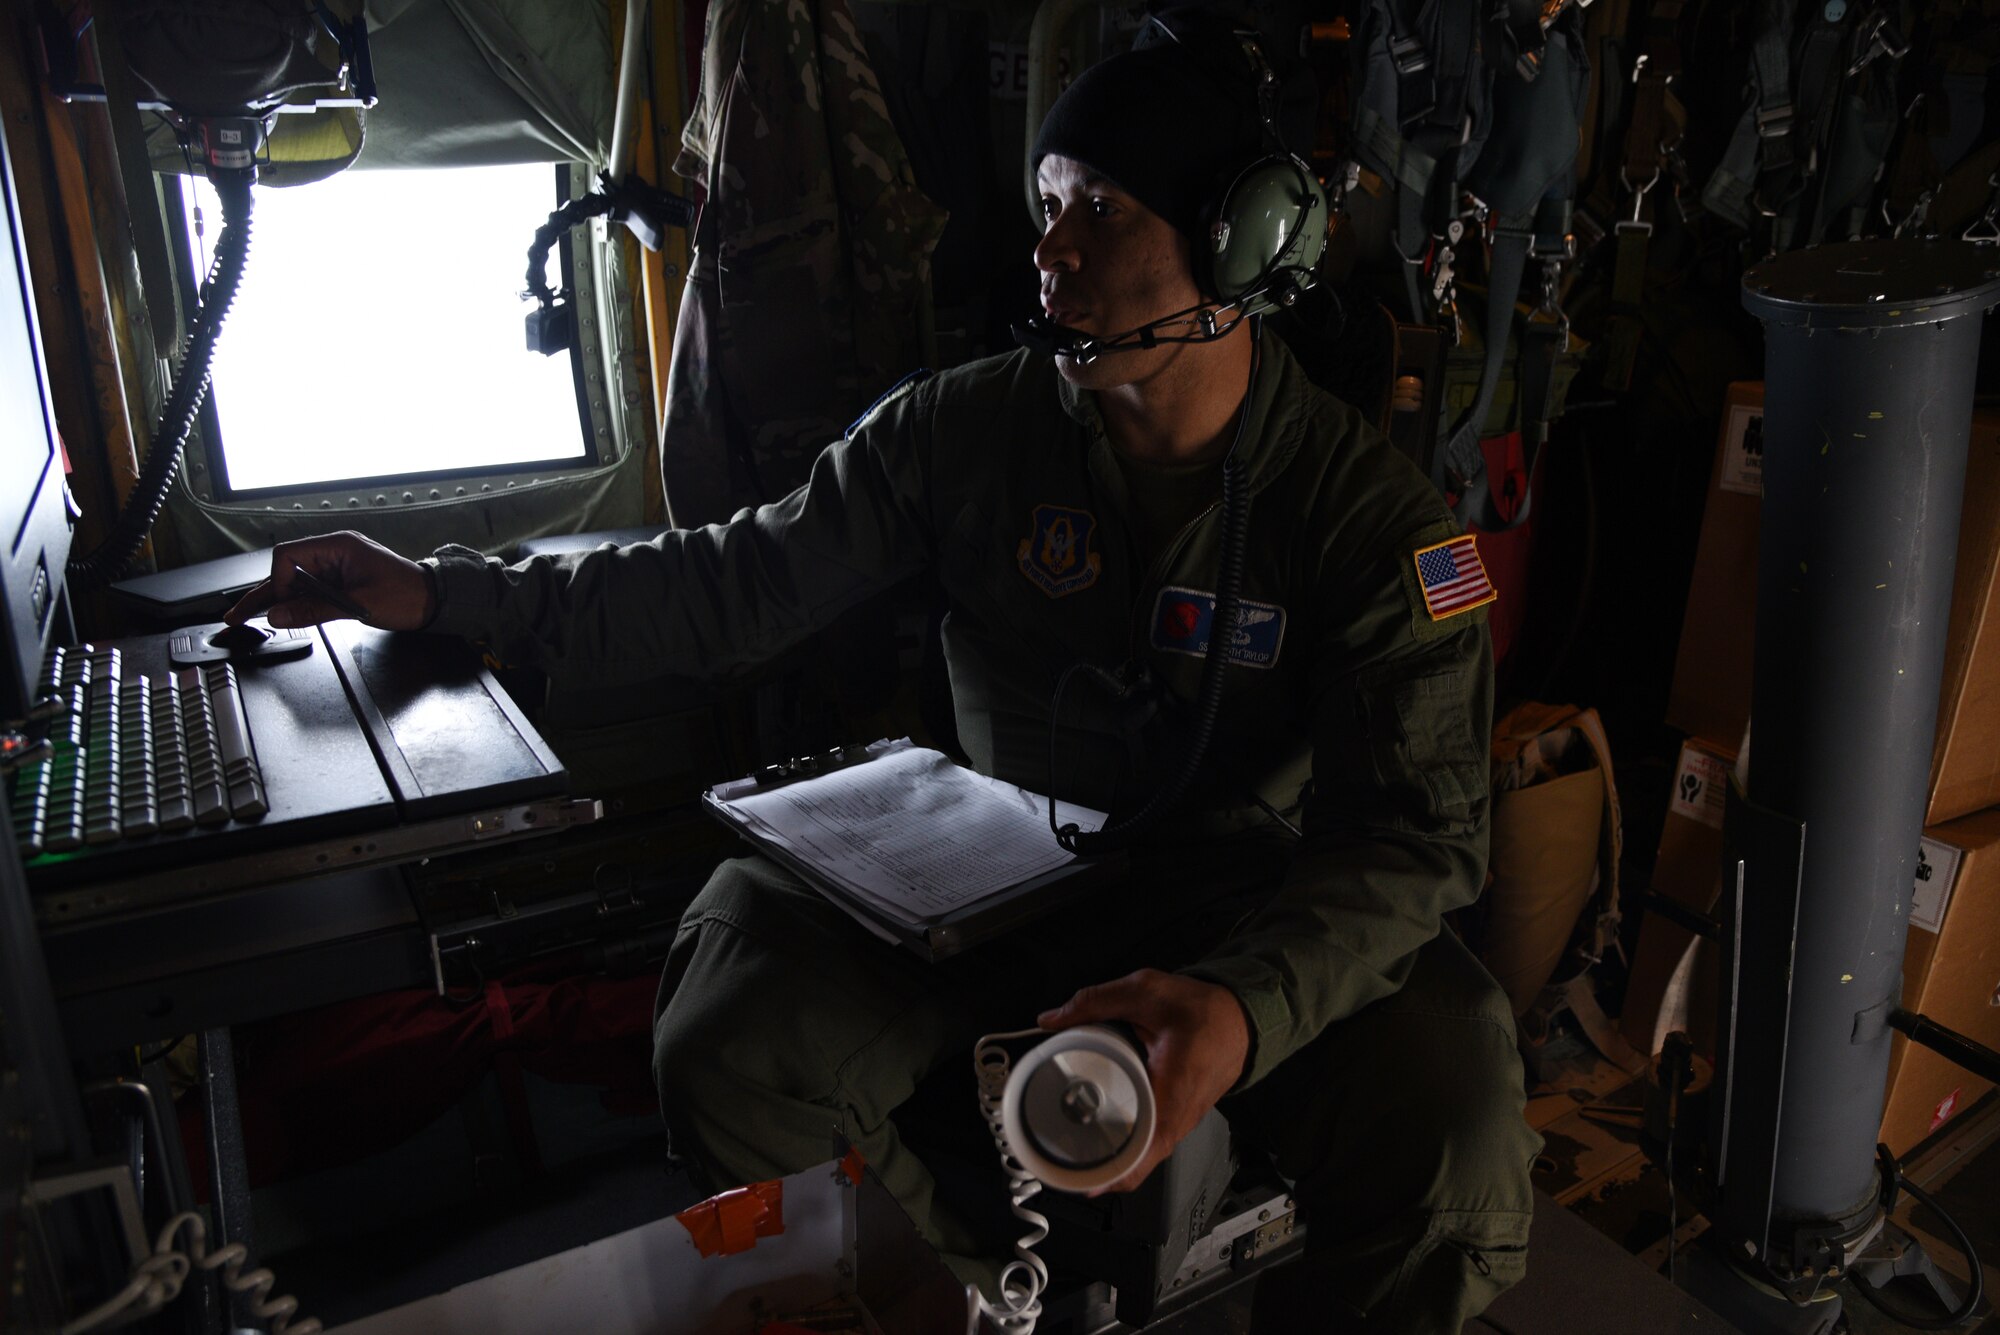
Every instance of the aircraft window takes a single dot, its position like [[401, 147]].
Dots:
[[377, 335]]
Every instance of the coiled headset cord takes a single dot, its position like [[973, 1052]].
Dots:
[[164, 453], [1023, 1278], [157, 1281], [1228, 596]]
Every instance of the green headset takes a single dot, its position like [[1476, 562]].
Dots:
[[1264, 235], [1258, 244], [1266, 231]]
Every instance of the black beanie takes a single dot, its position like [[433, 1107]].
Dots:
[[1170, 124]]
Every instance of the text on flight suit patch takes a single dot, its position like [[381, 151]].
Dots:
[[1056, 555], [1182, 617], [1453, 578]]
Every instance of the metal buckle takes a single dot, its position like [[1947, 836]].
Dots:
[[1551, 311], [1985, 229], [1409, 55], [1915, 220], [1774, 122], [1444, 281], [1637, 223], [1877, 38]]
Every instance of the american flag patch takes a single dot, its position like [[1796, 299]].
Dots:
[[1453, 578]]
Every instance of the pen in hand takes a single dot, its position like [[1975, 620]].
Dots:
[[326, 593]]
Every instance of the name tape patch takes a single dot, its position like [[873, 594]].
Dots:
[[1182, 619]]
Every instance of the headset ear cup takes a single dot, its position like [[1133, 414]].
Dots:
[[1272, 220]]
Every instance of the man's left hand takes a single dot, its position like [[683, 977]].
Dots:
[[1196, 1042]]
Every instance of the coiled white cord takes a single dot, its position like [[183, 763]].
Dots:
[[157, 1281], [1023, 1278]]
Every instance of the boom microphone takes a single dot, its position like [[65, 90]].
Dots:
[[1039, 334], [1203, 323], [1043, 335]]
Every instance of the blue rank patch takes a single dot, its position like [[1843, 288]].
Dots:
[[1181, 620], [1056, 556]]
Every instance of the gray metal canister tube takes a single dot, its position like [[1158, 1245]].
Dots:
[[1868, 399]]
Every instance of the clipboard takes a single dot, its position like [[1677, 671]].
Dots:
[[918, 850]]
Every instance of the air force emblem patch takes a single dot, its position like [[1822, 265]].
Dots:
[[1056, 556], [1182, 617]]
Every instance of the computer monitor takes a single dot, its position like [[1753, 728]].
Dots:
[[34, 510]]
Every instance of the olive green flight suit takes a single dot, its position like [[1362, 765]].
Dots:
[[1382, 1074]]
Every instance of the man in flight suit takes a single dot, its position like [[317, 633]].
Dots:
[[1071, 511]]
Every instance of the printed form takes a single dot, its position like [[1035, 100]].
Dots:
[[910, 832]]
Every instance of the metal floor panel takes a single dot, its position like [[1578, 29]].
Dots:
[[1580, 1281]]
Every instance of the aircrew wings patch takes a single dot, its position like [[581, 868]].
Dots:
[[1452, 578]]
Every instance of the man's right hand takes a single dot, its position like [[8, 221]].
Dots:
[[393, 593]]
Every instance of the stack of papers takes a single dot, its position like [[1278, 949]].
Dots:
[[908, 837]]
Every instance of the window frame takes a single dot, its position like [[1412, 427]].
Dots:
[[590, 280]]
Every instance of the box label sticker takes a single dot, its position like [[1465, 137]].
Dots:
[[1946, 1107], [1743, 450], [1937, 872], [1701, 783]]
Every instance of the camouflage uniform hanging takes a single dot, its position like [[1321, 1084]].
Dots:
[[810, 286]]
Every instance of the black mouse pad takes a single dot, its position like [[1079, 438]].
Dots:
[[195, 645]]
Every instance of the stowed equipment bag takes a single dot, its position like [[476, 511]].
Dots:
[[1550, 911], [1472, 118]]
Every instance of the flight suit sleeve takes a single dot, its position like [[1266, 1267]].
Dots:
[[706, 602], [1396, 823]]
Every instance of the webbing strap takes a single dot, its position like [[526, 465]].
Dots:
[[1643, 131], [1412, 241], [1408, 170], [1381, 149], [1857, 116], [1541, 342], [1430, 50], [1772, 58], [1459, 464], [1628, 281], [1663, 40], [1734, 181], [1763, 133], [1771, 156], [1913, 170], [1416, 67], [1822, 66]]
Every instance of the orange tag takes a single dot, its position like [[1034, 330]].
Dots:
[[851, 1164], [733, 1221]]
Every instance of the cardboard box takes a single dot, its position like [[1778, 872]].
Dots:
[[1965, 766], [1951, 973], [1710, 696], [1688, 871]]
